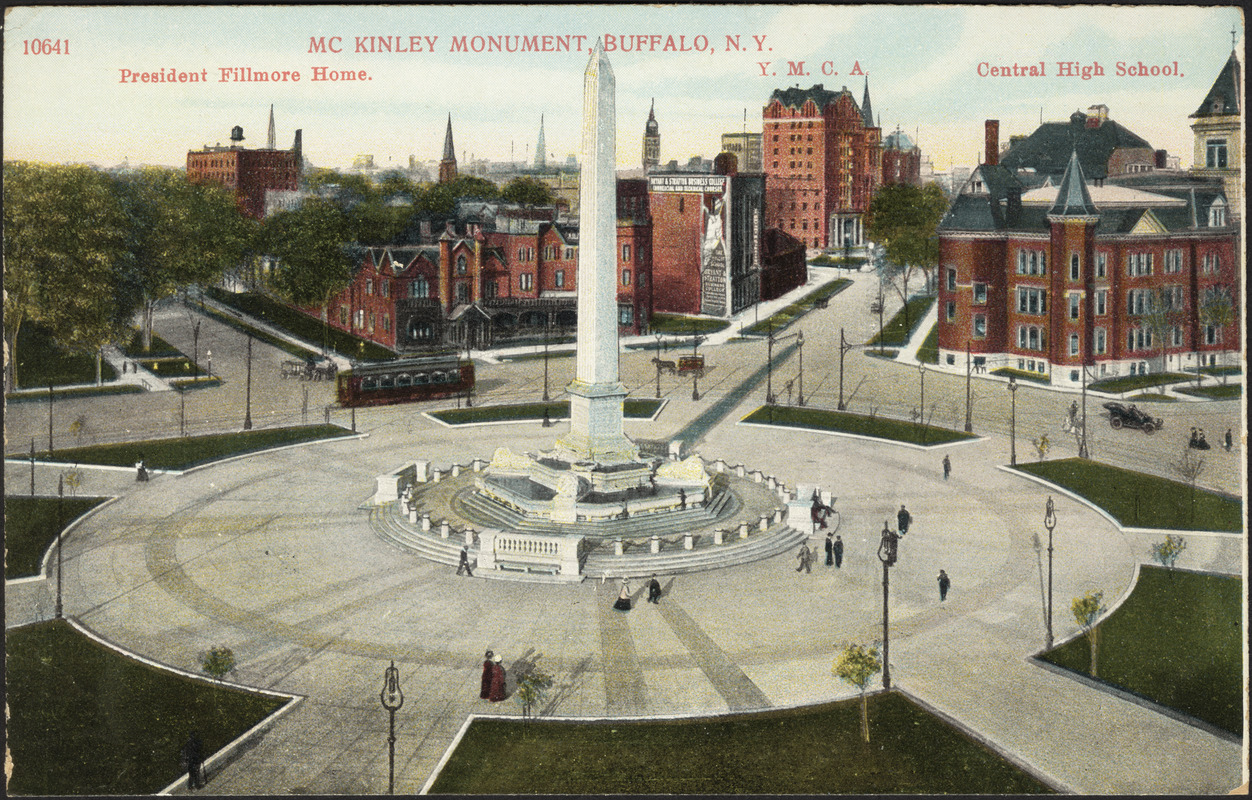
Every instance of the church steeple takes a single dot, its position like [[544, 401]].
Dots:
[[540, 148], [867, 114], [271, 142], [651, 140], [447, 167]]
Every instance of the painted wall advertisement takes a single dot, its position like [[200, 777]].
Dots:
[[868, 503]]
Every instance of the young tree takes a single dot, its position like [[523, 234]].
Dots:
[[1190, 466], [64, 248], [1087, 610], [1217, 310], [531, 687], [904, 220], [1166, 553], [857, 664], [217, 662], [1160, 318]]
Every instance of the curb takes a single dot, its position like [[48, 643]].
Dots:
[[861, 437], [430, 415], [228, 459]]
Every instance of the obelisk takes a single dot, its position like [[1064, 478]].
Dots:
[[596, 394]]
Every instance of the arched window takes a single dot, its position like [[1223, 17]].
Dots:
[[420, 287], [461, 264]]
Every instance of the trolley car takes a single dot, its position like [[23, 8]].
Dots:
[[405, 380]]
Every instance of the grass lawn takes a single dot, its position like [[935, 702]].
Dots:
[[30, 528], [1152, 397], [41, 361], [1142, 501], [558, 409], [844, 262], [301, 325], [928, 353], [1176, 641], [299, 352], [793, 311], [87, 721], [807, 751], [67, 394], [1128, 383], [181, 453], [202, 382], [160, 348], [887, 353], [552, 355], [879, 427], [895, 332], [1227, 392], [680, 324], [1022, 375]]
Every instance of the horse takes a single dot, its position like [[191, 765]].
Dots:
[[665, 366]]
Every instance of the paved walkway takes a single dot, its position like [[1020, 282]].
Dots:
[[271, 556]]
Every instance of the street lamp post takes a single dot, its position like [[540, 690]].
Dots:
[[182, 413], [32, 467], [209, 355], [545, 358], [195, 344], [392, 699], [844, 347], [657, 361], [969, 421], [887, 551], [921, 413], [769, 367], [60, 499], [1082, 445], [1049, 522], [1013, 422], [247, 413], [49, 419], [800, 390]]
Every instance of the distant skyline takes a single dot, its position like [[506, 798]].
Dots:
[[922, 65]]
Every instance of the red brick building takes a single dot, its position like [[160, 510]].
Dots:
[[823, 163], [248, 173], [901, 160], [1046, 278]]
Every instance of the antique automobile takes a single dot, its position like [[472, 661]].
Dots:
[[1122, 416]]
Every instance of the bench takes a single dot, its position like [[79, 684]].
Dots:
[[514, 565]]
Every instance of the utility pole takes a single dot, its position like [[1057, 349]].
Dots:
[[800, 391], [969, 422], [1082, 446], [247, 413]]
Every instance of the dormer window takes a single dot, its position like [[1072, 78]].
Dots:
[[1217, 214]]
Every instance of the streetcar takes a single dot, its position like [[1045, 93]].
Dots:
[[404, 380]]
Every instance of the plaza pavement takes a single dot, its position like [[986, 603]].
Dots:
[[271, 556]]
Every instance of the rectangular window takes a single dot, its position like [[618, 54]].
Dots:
[[1073, 344], [1176, 336], [625, 277], [569, 254], [369, 285], [1210, 334], [1173, 261], [1073, 306], [1215, 154], [980, 292], [951, 280], [343, 315], [1021, 262], [1032, 301], [1101, 341], [526, 281], [1102, 302], [386, 323], [559, 279], [626, 253], [1074, 266], [626, 315], [980, 326], [949, 311], [1102, 265]]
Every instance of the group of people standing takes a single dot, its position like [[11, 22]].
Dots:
[[493, 680]]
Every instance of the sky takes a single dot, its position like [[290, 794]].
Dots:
[[922, 64]]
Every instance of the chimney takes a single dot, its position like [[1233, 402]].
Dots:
[[993, 143], [1161, 159], [1014, 211]]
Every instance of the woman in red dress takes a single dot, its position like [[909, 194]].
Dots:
[[485, 691], [497, 681]]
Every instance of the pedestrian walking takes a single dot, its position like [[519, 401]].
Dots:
[[1229, 442], [806, 558], [485, 690], [654, 590], [830, 548], [903, 520], [947, 467], [682, 498], [838, 547], [498, 678], [944, 584], [464, 565], [623, 597], [193, 761]]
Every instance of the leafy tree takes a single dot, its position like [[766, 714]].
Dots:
[[528, 191], [1087, 610], [531, 688], [1190, 466], [182, 233], [904, 219], [441, 198], [1167, 552], [217, 662], [312, 244], [395, 185], [1159, 318], [1042, 446], [64, 248], [1217, 308], [857, 664]]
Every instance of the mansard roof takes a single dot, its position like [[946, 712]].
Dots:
[[1223, 99], [1048, 149], [795, 97]]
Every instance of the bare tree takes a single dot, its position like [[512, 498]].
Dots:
[[1217, 310], [1189, 466]]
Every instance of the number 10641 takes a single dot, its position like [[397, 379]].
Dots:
[[45, 47]]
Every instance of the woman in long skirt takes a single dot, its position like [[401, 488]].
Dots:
[[623, 597]]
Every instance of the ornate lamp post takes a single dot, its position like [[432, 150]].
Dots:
[[60, 498], [247, 414], [392, 698], [32, 467], [921, 412], [195, 343], [887, 550], [969, 421], [545, 358], [1013, 422], [800, 390], [657, 361], [1049, 522], [49, 419], [209, 355]]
